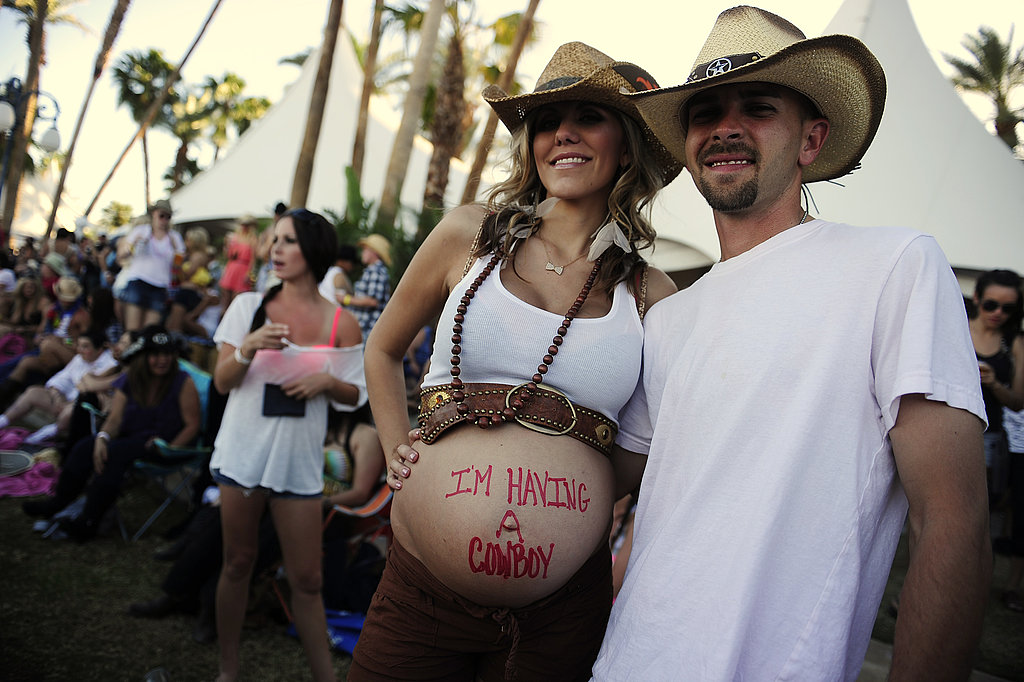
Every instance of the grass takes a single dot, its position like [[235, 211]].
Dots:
[[64, 610], [65, 616]]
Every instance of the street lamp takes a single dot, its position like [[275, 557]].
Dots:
[[11, 99]]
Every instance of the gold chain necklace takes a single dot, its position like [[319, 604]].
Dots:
[[551, 267]]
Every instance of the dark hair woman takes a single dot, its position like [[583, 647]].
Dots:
[[153, 399], [282, 358], [994, 331]]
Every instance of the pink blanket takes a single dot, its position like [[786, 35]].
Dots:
[[39, 480]]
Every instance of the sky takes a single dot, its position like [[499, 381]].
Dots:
[[249, 37]]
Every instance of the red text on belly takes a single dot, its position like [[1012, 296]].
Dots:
[[526, 487]]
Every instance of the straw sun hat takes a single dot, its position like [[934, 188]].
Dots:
[[67, 289], [379, 244], [836, 72], [579, 72]]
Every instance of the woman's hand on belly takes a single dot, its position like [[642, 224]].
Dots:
[[504, 517]]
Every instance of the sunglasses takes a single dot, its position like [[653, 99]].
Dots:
[[165, 216], [989, 305]]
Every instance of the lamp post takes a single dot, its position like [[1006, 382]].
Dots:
[[12, 98]]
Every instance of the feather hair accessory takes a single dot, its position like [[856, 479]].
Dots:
[[606, 235]]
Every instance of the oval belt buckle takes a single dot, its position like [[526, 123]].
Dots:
[[543, 429]]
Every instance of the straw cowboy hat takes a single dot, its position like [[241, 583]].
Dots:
[[836, 72], [247, 219], [67, 289], [161, 205], [379, 245], [579, 72]]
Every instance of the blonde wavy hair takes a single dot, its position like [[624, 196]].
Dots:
[[514, 202]]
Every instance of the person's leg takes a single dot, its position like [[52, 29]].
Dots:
[[240, 516], [1013, 597], [152, 317], [298, 529], [132, 317], [74, 475], [105, 487], [34, 398], [175, 317]]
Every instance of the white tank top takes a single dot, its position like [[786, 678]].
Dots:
[[504, 339]]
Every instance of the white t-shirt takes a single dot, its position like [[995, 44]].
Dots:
[[152, 259], [285, 454], [66, 380], [770, 507]]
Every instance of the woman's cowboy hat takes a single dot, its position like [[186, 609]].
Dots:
[[67, 289], [836, 72], [379, 245], [579, 72]]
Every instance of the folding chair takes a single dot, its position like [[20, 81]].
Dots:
[[186, 462]]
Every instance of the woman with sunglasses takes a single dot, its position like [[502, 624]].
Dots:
[[1000, 350], [283, 357], [500, 565]]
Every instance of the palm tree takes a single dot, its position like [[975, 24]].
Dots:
[[369, 73], [317, 102], [446, 127], [401, 149], [157, 105], [994, 71], [141, 77], [35, 15], [514, 30], [190, 117], [102, 57], [115, 214], [226, 94]]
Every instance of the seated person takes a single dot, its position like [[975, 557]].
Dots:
[[154, 399], [353, 466], [57, 397], [63, 322]]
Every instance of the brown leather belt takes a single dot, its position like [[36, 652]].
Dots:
[[547, 411]]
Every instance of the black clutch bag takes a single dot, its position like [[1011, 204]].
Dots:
[[276, 403]]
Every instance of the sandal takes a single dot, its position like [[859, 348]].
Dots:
[[1013, 601]]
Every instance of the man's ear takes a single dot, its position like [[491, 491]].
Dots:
[[815, 134]]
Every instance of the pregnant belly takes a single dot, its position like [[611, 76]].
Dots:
[[507, 516]]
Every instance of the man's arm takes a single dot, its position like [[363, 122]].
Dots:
[[941, 464]]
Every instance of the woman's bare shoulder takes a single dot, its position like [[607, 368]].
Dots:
[[659, 286]]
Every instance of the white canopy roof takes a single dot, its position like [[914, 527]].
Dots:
[[257, 172]]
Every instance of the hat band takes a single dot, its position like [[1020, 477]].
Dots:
[[717, 67]]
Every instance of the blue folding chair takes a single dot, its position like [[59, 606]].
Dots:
[[184, 462]]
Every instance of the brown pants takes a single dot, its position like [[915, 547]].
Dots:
[[418, 629]]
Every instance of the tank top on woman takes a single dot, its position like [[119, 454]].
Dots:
[[1002, 364], [505, 338]]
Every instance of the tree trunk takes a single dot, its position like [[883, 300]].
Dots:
[[401, 149], [483, 147], [113, 28], [26, 113], [145, 171], [154, 109], [445, 135], [369, 70], [317, 102]]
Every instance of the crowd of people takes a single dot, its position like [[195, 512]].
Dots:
[[753, 455]]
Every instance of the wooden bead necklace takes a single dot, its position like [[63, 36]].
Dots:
[[514, 402]]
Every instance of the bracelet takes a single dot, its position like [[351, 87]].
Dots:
[[241, 359], [346, 299], [103, 435]]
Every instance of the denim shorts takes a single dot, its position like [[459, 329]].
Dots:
[[221, 479], [144, 295]]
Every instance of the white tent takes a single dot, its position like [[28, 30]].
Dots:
[[257, 172], [932, 165], [35, 202]]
